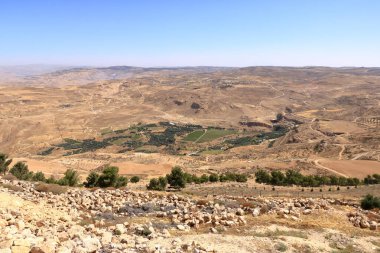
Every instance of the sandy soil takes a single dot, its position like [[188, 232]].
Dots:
[[356, 168]]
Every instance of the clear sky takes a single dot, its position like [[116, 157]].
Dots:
[[190, 32]]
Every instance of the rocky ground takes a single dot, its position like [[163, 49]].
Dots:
[[33, 219]]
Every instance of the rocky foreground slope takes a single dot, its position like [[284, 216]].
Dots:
[[33, 219]]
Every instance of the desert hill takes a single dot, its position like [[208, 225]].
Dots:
[[331, 115]]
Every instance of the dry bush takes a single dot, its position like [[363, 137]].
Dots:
[[9, 177], [246, 204], [264, 209], [12, 187], [53, 188], [202, 202]]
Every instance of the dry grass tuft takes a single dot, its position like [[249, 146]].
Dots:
[[12, 187], [9, 177], [278, 233], [53, 188], [202, 202]]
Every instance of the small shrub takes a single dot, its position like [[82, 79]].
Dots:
[[91, 179], [157, 184], [213, 178], [195, 106], [135, 179], [281, 247], [39, 176], [370, 202], [20, 171], [241, 178], [51, 180], [204, 178], [176, 178], [108, 177], [121, 182], [71, 178]]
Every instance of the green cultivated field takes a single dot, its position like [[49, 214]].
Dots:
[[193, 136], [213, 134]]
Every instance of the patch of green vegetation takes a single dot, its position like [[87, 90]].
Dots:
[[193, 136], [132, 144], [369, 202], [147, 149], [257, 139], [120, 141], [212, 152], [83, 146], [105, 131], [167, 137], [135, 136], [69, 144], [116, 138], [213, 134]]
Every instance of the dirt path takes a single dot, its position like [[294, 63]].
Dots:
[[342, 150], [316, 162]]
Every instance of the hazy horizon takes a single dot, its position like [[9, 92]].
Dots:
[[147, 33]]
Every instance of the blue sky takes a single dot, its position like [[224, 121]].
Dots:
[[190, 32]]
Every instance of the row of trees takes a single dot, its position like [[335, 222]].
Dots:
[[108, 178], [178, 179], [374, 179], [21, 171], [292, 177]]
